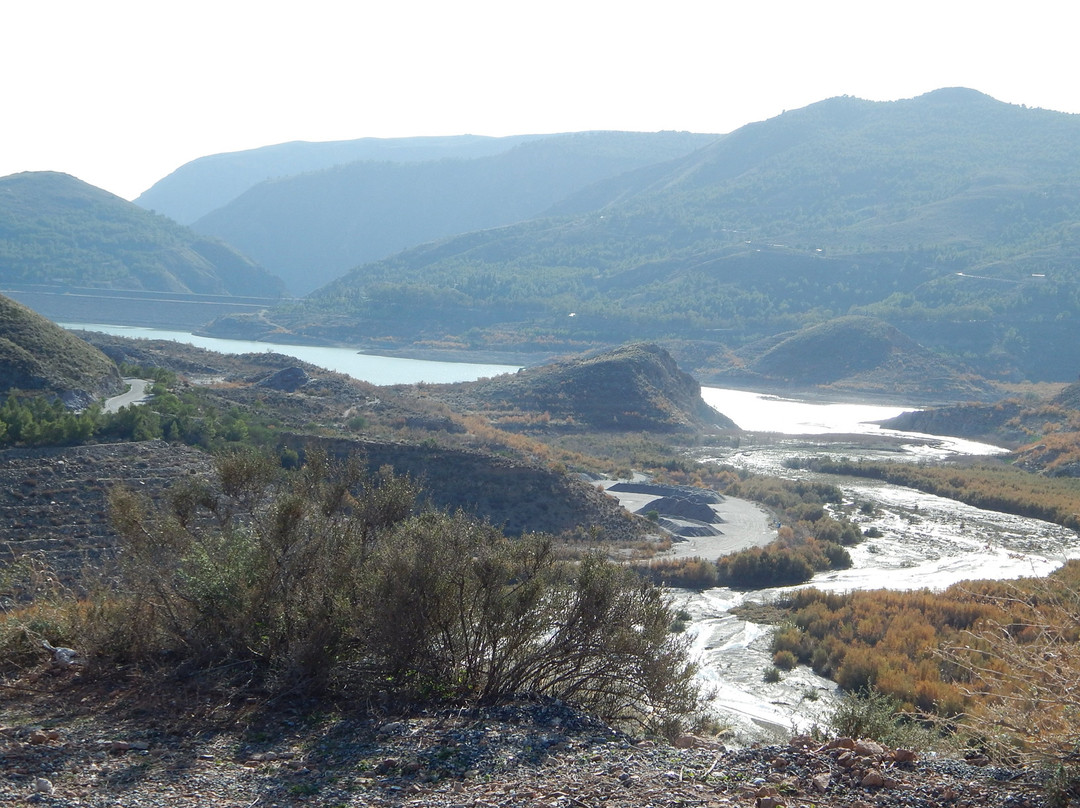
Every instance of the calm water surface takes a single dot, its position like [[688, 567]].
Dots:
[[366, 367]]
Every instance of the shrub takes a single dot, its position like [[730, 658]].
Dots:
[[329, 578], [1022, 673], [875, 716], [784, 660], [688, 573]]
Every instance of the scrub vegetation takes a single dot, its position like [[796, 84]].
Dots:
[[996, 487], [994, 663], [330, 580]]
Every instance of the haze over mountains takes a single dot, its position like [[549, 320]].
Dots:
[[951, 217], [203, 185], [310, 228]]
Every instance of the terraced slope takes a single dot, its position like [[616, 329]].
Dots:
[[53, 501]]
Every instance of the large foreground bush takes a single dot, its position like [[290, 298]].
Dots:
[[331, 578]]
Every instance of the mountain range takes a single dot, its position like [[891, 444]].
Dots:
[[951, 216], [208, 183], [310, 228]]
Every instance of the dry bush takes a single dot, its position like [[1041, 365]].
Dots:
[[33, 607], [1023, 673], [329, 578]]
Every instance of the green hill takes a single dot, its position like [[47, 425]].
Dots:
[[38, 356], [852, 355], [311, 228], [952, 216], [57, 230]]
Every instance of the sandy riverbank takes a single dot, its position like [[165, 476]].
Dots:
[[741, 524]]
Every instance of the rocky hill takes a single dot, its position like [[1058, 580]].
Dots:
[[999, 422], [632, 388], [1042, 430], [37, 355], [397, 427]]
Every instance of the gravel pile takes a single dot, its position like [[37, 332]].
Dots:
[[67, 749]]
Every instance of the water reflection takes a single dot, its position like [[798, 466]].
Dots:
[[366, 367]]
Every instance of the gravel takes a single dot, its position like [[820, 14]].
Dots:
[[62, 744]]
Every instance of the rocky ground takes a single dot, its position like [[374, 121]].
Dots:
[[69, 742], [53, 501]]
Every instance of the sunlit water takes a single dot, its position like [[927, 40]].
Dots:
[[926, 541], [367, 367]]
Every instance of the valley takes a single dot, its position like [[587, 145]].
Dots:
[[711, 440]]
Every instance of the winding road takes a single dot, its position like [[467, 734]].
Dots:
[[136, 394]]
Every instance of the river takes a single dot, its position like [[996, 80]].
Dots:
[[925, 541]]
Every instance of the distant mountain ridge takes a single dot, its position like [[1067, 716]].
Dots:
[[951, 216], [58, 230], [205, 184], [313, 227]]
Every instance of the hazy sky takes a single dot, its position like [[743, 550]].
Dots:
[[121, 92]]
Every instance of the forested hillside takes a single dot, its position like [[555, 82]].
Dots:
[[58, 230], [951, 216], [311, 228]]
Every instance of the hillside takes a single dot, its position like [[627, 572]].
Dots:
[[208, 183], [311, 228], [37, 355], [851, 355], [632, 388], [951, 216], [1042, 430], [295, 405], [59, 231]]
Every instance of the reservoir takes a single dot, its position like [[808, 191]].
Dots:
[[366, 367], [751, 411]]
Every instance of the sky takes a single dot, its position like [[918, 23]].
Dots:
[[120, 93]]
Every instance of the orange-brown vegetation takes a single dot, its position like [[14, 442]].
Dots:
[[1004, 654]]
